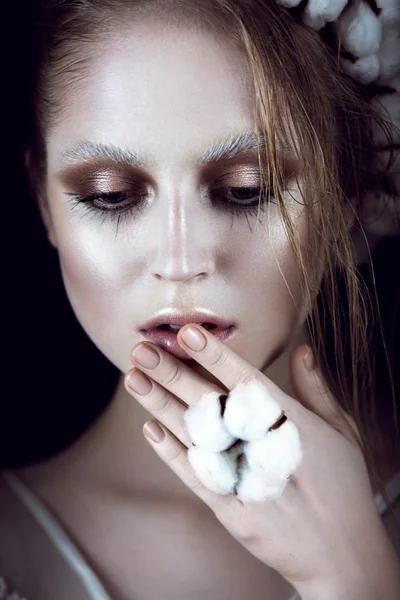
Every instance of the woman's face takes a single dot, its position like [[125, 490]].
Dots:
[[157, 104]]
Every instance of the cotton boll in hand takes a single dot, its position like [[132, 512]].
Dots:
[[250, 411], [206, 425], [259, 461], [216, 470]]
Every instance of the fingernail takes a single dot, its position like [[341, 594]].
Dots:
[[146, 356], [308, 360], [139, 383], [153, 431], [194, 339]]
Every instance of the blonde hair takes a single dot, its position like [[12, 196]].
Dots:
[[303, 98]]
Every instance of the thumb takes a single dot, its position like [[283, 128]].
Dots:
[[312, 392]]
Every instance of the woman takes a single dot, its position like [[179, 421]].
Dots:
[[202, 163]]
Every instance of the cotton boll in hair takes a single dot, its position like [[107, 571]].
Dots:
[[251, 410], [365, 70], [390, 14], [288, 3], [318, 13], [389, 53], [360, 30], [217, 471]]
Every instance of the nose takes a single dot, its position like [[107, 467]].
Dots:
[[184, 245]]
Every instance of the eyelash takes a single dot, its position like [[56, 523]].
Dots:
[[235, 208]]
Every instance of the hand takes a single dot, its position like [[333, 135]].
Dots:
[[325, 526]]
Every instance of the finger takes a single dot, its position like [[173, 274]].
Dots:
[[227, 366], [313, 393], [173, 375], [174, 454], [158, 402]]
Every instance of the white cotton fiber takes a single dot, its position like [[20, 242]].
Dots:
[[365, 70], [216, 470], [254, 487], [389, 53], [288, 3], [278, 455], [250, 411], [360, 30], [255, 462], [390, 14], [318, 13], [205, 425]]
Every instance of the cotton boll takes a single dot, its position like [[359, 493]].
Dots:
[[365, 70], [250, 411], [217, 471], [393, 83], [279, 454], [389, 53], [206, 426], [390, 14], [318, 13], [288, 3], [254, 487], [360, 30]]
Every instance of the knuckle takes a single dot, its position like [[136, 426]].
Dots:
[[217, 358], [250, 377], [173, 377], [175, 455], [164, 403], [212, 388], [193, 482]]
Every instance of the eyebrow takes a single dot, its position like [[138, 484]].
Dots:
[[224, 149]]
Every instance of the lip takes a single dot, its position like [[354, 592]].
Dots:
[[167, 340], [180, 318]]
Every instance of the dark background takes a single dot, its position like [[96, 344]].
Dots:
[[54, 381]]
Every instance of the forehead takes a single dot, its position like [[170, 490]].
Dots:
[[161, 89]]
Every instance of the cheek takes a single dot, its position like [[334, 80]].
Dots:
[[93, 275], [268, 278]]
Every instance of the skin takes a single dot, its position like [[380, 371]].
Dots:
[[169, 100], [181, 251]]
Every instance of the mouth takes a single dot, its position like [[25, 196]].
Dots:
[[166, 336], [176, 328]]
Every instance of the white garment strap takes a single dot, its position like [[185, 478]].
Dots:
[[65, 547]]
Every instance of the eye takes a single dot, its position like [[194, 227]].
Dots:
[[243, 193], [240, 201]]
